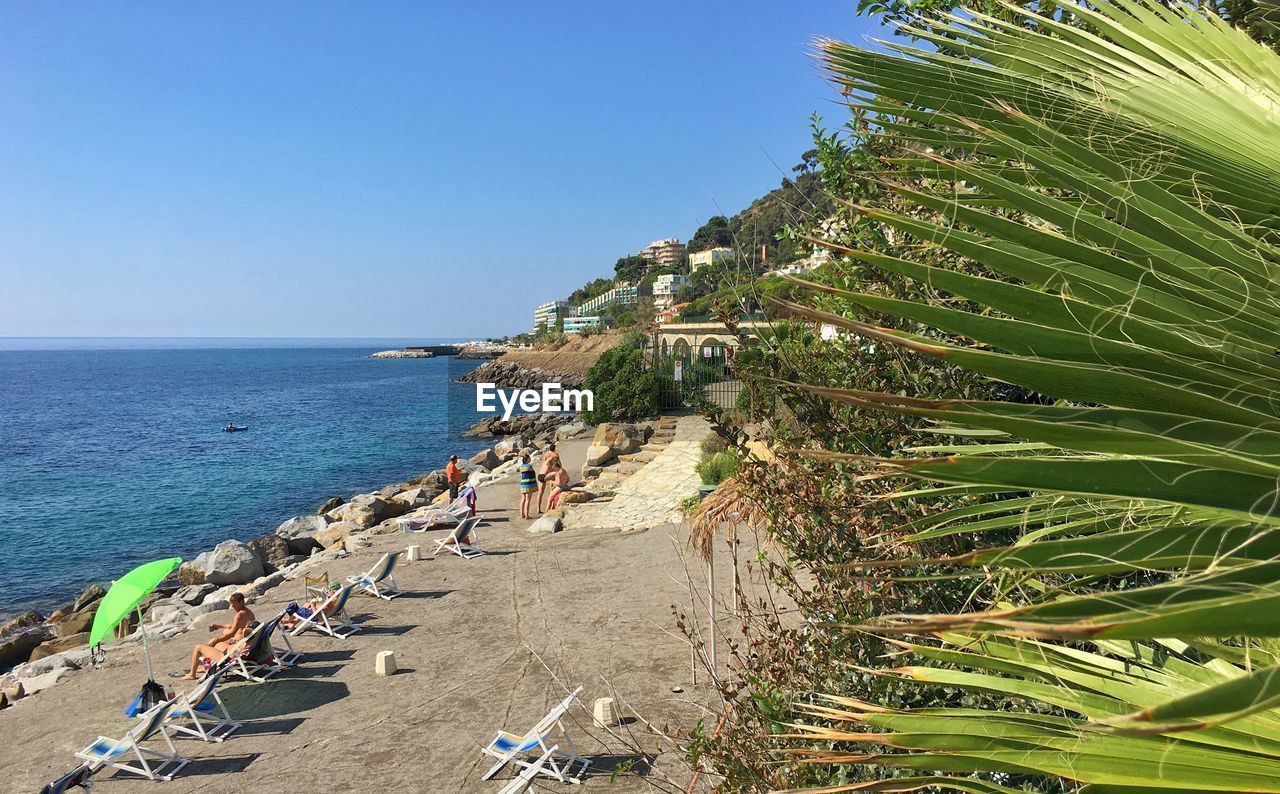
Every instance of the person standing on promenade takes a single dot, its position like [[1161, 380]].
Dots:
[[528, 484], [453, 475], [551, 458]]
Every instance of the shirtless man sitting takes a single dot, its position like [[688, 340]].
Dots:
[[232, 633]]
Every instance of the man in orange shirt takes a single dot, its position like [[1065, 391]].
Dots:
[[453, 475]]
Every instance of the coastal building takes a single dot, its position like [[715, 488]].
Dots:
[[664, 252], [576, 325], [793, 269], [709, 257], [665, 288], [550, 313], [623, 294], [668, 314]]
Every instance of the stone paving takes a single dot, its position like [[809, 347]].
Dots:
[[649, 497]]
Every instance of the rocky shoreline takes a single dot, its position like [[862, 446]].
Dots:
[[511, 375], [36, 650]]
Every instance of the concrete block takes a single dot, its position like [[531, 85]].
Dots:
[[385, 663], [413, 553], [604, 714]]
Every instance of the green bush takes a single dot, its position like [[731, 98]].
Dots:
[[711, 445], [717, 468], [624, 391]]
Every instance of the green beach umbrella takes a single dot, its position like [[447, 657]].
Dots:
[[125, 595]]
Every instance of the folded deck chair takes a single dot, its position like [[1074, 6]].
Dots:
[[459, 509], [81, 776], [331, 617], [380, 580], [202, 707], [531, 750], [452, 542], [117, 753]]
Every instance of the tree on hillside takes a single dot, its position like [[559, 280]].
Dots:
[[715, 233], [591, 289], [632, 268]]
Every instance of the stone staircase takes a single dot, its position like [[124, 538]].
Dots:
[[644, 488]]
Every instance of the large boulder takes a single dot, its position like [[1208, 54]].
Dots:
[[91, 595], [330, 504], [270, 548], [50, 647], [613, 439], [572, 430], [75, 623], [24, 621], [190, 574], [192, 595], [509, 447], [17, 647], [368, 509], [335, 533], [486, 459], [230, 562], [546, 525], [298, 532]]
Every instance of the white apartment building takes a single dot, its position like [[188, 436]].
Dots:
[[575, 325], [665, 288], [709, 257], [550, 313], [664, 252], [623, 294]]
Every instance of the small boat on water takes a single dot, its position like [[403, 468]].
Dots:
[[233, 429]]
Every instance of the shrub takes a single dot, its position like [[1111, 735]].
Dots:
[[717, 468], [711, 445], [624, 391]]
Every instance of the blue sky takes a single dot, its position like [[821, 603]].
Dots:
[[375, 169]]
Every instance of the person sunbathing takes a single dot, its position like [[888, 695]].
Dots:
[[295, 613], [242, 622]]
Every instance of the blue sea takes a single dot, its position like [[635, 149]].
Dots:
[[112, 451]]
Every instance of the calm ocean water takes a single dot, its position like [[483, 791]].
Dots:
[[112, 451]]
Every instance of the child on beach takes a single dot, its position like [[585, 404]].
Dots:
[[528, 485]]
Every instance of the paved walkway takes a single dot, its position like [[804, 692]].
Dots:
[[651, 496]]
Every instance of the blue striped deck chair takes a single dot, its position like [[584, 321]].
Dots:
[[331, 618], [531, 751], [204, 709], [253, 658], [81, 776], [153, 765], [453, 543], [380, 580]]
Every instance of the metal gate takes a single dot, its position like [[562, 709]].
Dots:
[[685, 373]]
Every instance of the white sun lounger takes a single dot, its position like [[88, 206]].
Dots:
[[331, 618], [458, 511], [524, 780], [382, 573], [531, 749], [203, 702], [452, 542], [153, 765]]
